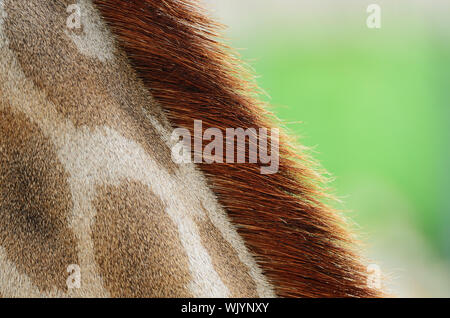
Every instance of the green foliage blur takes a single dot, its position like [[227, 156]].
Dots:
[[374, 105]]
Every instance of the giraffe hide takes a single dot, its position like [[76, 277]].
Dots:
[[300, 242]]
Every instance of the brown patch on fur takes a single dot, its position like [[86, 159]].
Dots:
[[83, 89], [224, 257], [300, 242], [35, 201], [137, 245]]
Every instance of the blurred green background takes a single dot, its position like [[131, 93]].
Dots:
[[374, 105]]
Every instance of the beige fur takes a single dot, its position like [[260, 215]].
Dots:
[[87, 177]]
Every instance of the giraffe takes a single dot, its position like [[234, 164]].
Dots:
[[87, 178]]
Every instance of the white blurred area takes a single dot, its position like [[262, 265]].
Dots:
[[412, 265], [248, 15]]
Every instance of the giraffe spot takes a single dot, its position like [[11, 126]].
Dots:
[[233, 273], [137, 246], [35, 200], [86, 90]]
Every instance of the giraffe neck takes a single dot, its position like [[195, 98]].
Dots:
[[87, 178]]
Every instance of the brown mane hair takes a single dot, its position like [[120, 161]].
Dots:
[[299, 241]]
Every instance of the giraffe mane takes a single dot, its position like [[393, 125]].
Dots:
[[300, 242]]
